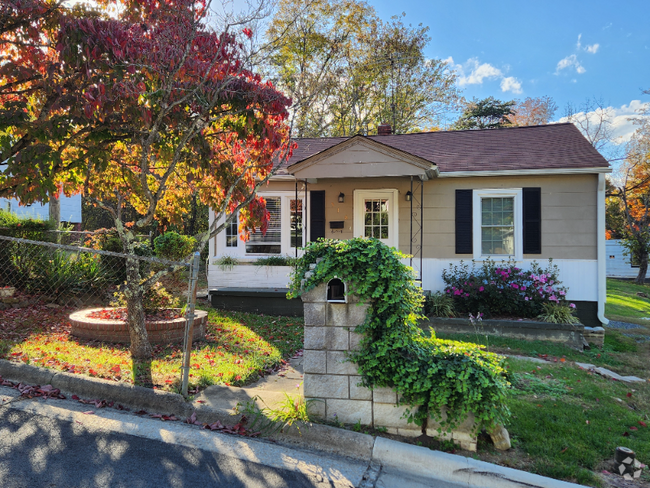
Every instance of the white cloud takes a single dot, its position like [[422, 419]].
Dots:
[[570, 62], [622, 119], [473, 72], [511, 84]]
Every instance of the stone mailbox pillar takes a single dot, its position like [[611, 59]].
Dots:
[[329, 336], [329, 378]]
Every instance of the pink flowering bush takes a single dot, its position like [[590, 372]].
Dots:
[[503, 288]]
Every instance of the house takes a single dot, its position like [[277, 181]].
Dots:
[[526, 193], [70, 208]]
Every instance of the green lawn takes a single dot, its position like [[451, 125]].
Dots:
[[624, 304], [238, 348], [566, 422]]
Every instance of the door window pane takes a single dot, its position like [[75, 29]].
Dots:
[[376, 218]]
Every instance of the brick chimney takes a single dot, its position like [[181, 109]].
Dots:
[[384, 130]]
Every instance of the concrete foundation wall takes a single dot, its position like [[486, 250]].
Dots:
[[571, 335]]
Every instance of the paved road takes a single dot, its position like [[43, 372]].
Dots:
[[66, 444], [54, 444]]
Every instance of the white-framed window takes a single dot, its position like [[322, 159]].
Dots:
[[271, 241], [232, 233], [296, 223], [498, 228], [285, 230]]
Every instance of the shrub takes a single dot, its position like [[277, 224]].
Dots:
[[226, 263], [157, 297], [440, 305], [428, 373], [503, 288], [173, 246], [555, 313], [275, 261], [26, 228], [115, 266]]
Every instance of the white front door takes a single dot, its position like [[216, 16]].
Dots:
[[375, 215]]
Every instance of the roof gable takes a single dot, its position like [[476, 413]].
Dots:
[[362, 157]]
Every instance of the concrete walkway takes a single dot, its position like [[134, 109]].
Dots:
[[269, 391]]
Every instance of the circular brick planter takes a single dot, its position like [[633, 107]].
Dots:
[[159, 331]]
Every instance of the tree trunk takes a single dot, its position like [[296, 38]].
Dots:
[[643, 267], [55, 209], [140, 347]]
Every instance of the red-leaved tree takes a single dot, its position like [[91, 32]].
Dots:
[[170, 111]]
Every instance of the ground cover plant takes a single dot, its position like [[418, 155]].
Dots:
[[239, 347]]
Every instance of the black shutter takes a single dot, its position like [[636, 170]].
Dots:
[[317, 219], [532, 220], [464, 236]]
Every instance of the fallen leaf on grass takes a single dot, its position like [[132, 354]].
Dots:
[[633, 428], [629, 395], [564, 450], [642, 423]]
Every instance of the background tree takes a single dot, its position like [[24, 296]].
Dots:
[[533, 111], [594, 119], [629, 202], [347, 71], [488, 113], [41, 106], [177, 114]]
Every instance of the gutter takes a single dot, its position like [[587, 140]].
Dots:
[[602, 271]]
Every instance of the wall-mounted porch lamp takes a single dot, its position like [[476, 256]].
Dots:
[[341, 197], [408, 196]]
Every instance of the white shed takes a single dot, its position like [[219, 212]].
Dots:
[[619, 264], [70, 209]]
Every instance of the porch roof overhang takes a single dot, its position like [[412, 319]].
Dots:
[[361, 157]]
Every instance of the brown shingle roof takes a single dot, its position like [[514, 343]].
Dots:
[[516, 148]]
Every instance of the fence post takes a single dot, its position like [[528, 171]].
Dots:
[[189, 325]]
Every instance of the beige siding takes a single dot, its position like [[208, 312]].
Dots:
[[568, 213], [568, 210]]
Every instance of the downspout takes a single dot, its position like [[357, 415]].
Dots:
[[602, 270]]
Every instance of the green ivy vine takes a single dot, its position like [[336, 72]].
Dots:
[[427, 372]]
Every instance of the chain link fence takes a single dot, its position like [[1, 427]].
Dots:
[[34, 272]]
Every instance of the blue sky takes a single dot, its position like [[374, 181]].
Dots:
[[569, 50]]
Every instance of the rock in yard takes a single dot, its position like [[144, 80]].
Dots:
[[500, 438]]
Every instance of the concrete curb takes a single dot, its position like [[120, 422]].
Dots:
[[94, 388], [392, 455], [425, 463]]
